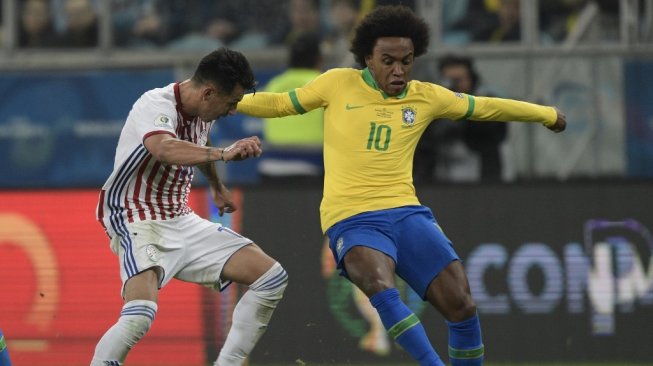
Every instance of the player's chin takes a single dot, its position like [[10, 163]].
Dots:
[[395, 89]]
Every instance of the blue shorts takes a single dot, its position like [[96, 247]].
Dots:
[[409, 235]]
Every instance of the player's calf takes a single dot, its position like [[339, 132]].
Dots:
[[252, 315], [135, 320]]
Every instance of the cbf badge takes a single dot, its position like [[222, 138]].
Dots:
[[408, 115]]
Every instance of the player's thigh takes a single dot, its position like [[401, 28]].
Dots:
[[449, 293], [423, 251], [246, 265], [370, 269], [365, 251], [143, 286]]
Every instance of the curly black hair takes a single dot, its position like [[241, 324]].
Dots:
[[225, 68], [389, 21]]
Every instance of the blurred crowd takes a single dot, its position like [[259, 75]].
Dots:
[[252, 24], [447, 148]]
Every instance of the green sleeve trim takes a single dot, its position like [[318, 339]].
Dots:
[[295, 102], [399, 328], [3, 345], [467, 353], [470, 106]]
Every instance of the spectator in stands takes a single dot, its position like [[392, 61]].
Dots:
[[504, 25], [36, 29], [560, 18], [473, 16], [210, 24], [342, 20], [138, 23], [81, 28], [483, 139], [294, 143], [303, 16]]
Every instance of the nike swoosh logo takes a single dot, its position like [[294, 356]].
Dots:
[[349, 107]]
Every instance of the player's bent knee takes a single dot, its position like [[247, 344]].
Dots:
[[462, 312], [136, 318], [272, 284]]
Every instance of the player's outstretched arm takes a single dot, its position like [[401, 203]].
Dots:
[[267, 105], [509, 110]]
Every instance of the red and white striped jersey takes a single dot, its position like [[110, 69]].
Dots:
[[140, 187]]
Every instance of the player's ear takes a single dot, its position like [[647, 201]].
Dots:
[[207, 92], [368, 61]]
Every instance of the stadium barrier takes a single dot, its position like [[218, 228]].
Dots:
[[560, 272]]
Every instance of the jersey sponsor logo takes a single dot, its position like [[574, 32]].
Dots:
[[163, 121], [350, 106], [383, 113], [459, 95], [408, 115]]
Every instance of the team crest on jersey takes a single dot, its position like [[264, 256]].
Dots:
[[163, 121], [152, 252], [408, 115]]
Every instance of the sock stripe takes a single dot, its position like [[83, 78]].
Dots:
[[403, 325], [467, 353], [148, 315], [139, 310], [275, 282], [142, 310]]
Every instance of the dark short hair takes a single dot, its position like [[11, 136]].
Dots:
[[305, 51], [225, 68], [389, 21], [458, 60]]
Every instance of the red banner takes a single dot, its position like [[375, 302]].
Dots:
[[60, 287]]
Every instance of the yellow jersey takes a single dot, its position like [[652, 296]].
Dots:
[[370, 137]]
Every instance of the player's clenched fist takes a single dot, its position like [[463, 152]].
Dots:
[[249, 147], [561, 122]]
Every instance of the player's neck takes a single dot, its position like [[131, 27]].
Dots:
[[187, 95]]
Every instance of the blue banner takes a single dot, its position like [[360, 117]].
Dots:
[[60, 129], [638, 94]]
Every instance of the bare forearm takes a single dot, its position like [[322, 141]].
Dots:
[[179, 152], [211, 173]]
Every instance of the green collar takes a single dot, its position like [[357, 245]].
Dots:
[[369, 80]]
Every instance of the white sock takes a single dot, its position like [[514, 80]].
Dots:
[[135, 320], [252, 315]]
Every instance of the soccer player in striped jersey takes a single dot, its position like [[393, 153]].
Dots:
[[144, 209], [376, 225]]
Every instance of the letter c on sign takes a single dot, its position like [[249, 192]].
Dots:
[[18, 230]]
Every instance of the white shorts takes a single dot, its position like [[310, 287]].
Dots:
[[188, 248]]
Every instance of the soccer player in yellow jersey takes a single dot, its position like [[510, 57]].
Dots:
[[375, 223]]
